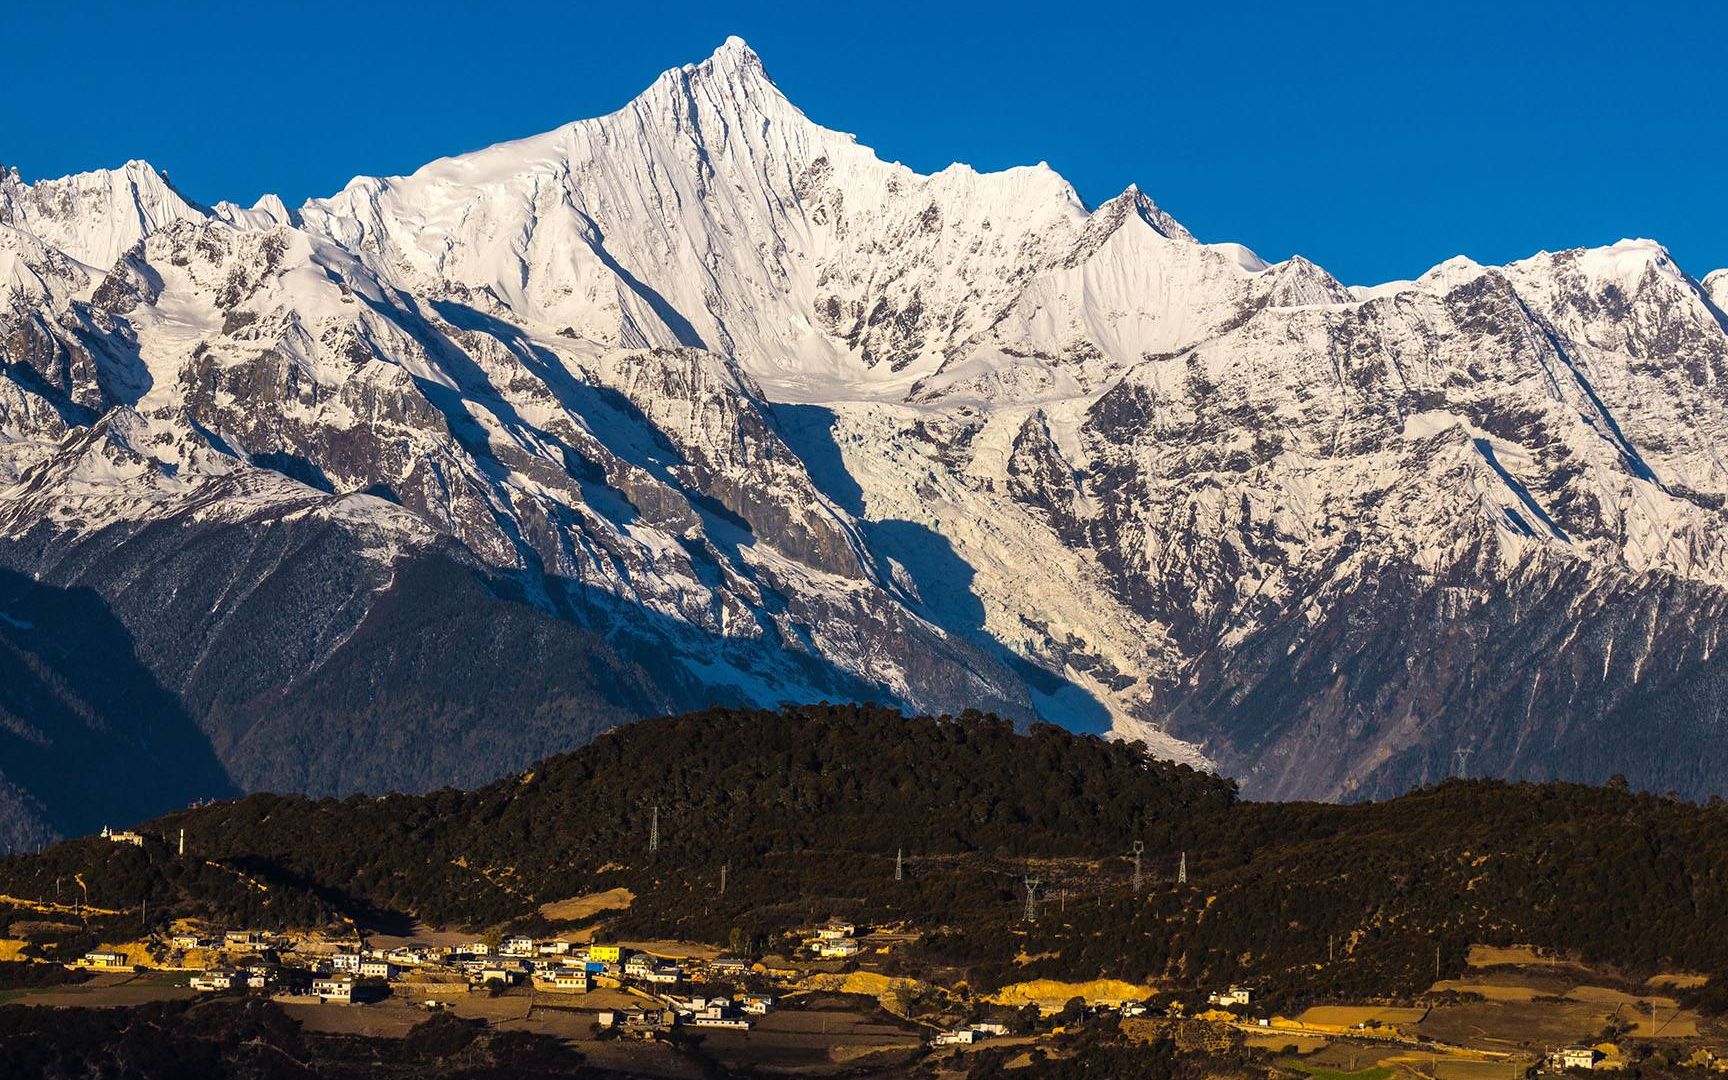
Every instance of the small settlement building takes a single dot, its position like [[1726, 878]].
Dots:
[[1234, 996], [1574, 1057], [211, 981], [337, 988], [563, 981], [103, 960]]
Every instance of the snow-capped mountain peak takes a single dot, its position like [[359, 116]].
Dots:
[[728, 390], [96, 216]]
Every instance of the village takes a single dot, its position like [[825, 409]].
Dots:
[[834, 992], [633, 995]]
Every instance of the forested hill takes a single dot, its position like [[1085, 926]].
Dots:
[[808, 808]]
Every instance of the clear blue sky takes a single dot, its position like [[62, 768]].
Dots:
[[1376, 139]]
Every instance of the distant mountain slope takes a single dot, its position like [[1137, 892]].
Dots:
[[87, 736], [729, 401]]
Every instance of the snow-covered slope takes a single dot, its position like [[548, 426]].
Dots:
[[780, 420]]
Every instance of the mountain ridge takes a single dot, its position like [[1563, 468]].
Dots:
[[719, 387]]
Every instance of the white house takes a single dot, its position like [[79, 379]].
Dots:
[[963, 1037], [210, 981], [758, 1004], [665, 974], [337, 988], [378, 969], [122, 837], [1573, 1057], [835, 930], [990, 1027], [107, 961], [517, 946], [833, 948], [1236, 995], [346, 961], [563, 980], [639, 965]]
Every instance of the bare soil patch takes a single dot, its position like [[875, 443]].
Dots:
[[577, 908]]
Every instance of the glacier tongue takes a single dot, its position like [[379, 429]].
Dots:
[[723, 387]]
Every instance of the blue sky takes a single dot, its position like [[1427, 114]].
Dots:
[[1376, 139]]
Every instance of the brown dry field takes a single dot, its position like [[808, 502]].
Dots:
[[675, 950], [641, 1058], [1515, 1025], [107, 991], [1455, 1068], [581, 907], [1351, 1015], [1604, 995], [1677, 980], [1492, 955], [388, 1019], [811, 1039], [1276, 1041], [420, 934], [1496, 989]]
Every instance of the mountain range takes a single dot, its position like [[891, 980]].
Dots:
[[700, 402]]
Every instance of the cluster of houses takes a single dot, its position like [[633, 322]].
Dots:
[[835, 940], [550, 966], [971, 1033], [703, 1012], [1231, 998]]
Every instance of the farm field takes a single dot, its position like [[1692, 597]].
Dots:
[[1354, 1015], [833, 1031], [582, 907]]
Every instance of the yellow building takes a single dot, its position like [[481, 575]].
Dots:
[[608, 954]]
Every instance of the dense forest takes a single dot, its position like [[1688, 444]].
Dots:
[[807, 809]]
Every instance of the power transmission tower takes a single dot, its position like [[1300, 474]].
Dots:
[[1182, 870], [900, 864], [1032, 885], [1139, 848], [1463, 755], [724, 867], [182, 843], [654, 831]]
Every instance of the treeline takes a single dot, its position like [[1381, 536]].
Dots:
[[807, 809]]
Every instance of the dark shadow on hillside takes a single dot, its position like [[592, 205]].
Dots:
[[939, 577], [456, 677], [85, 729]]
